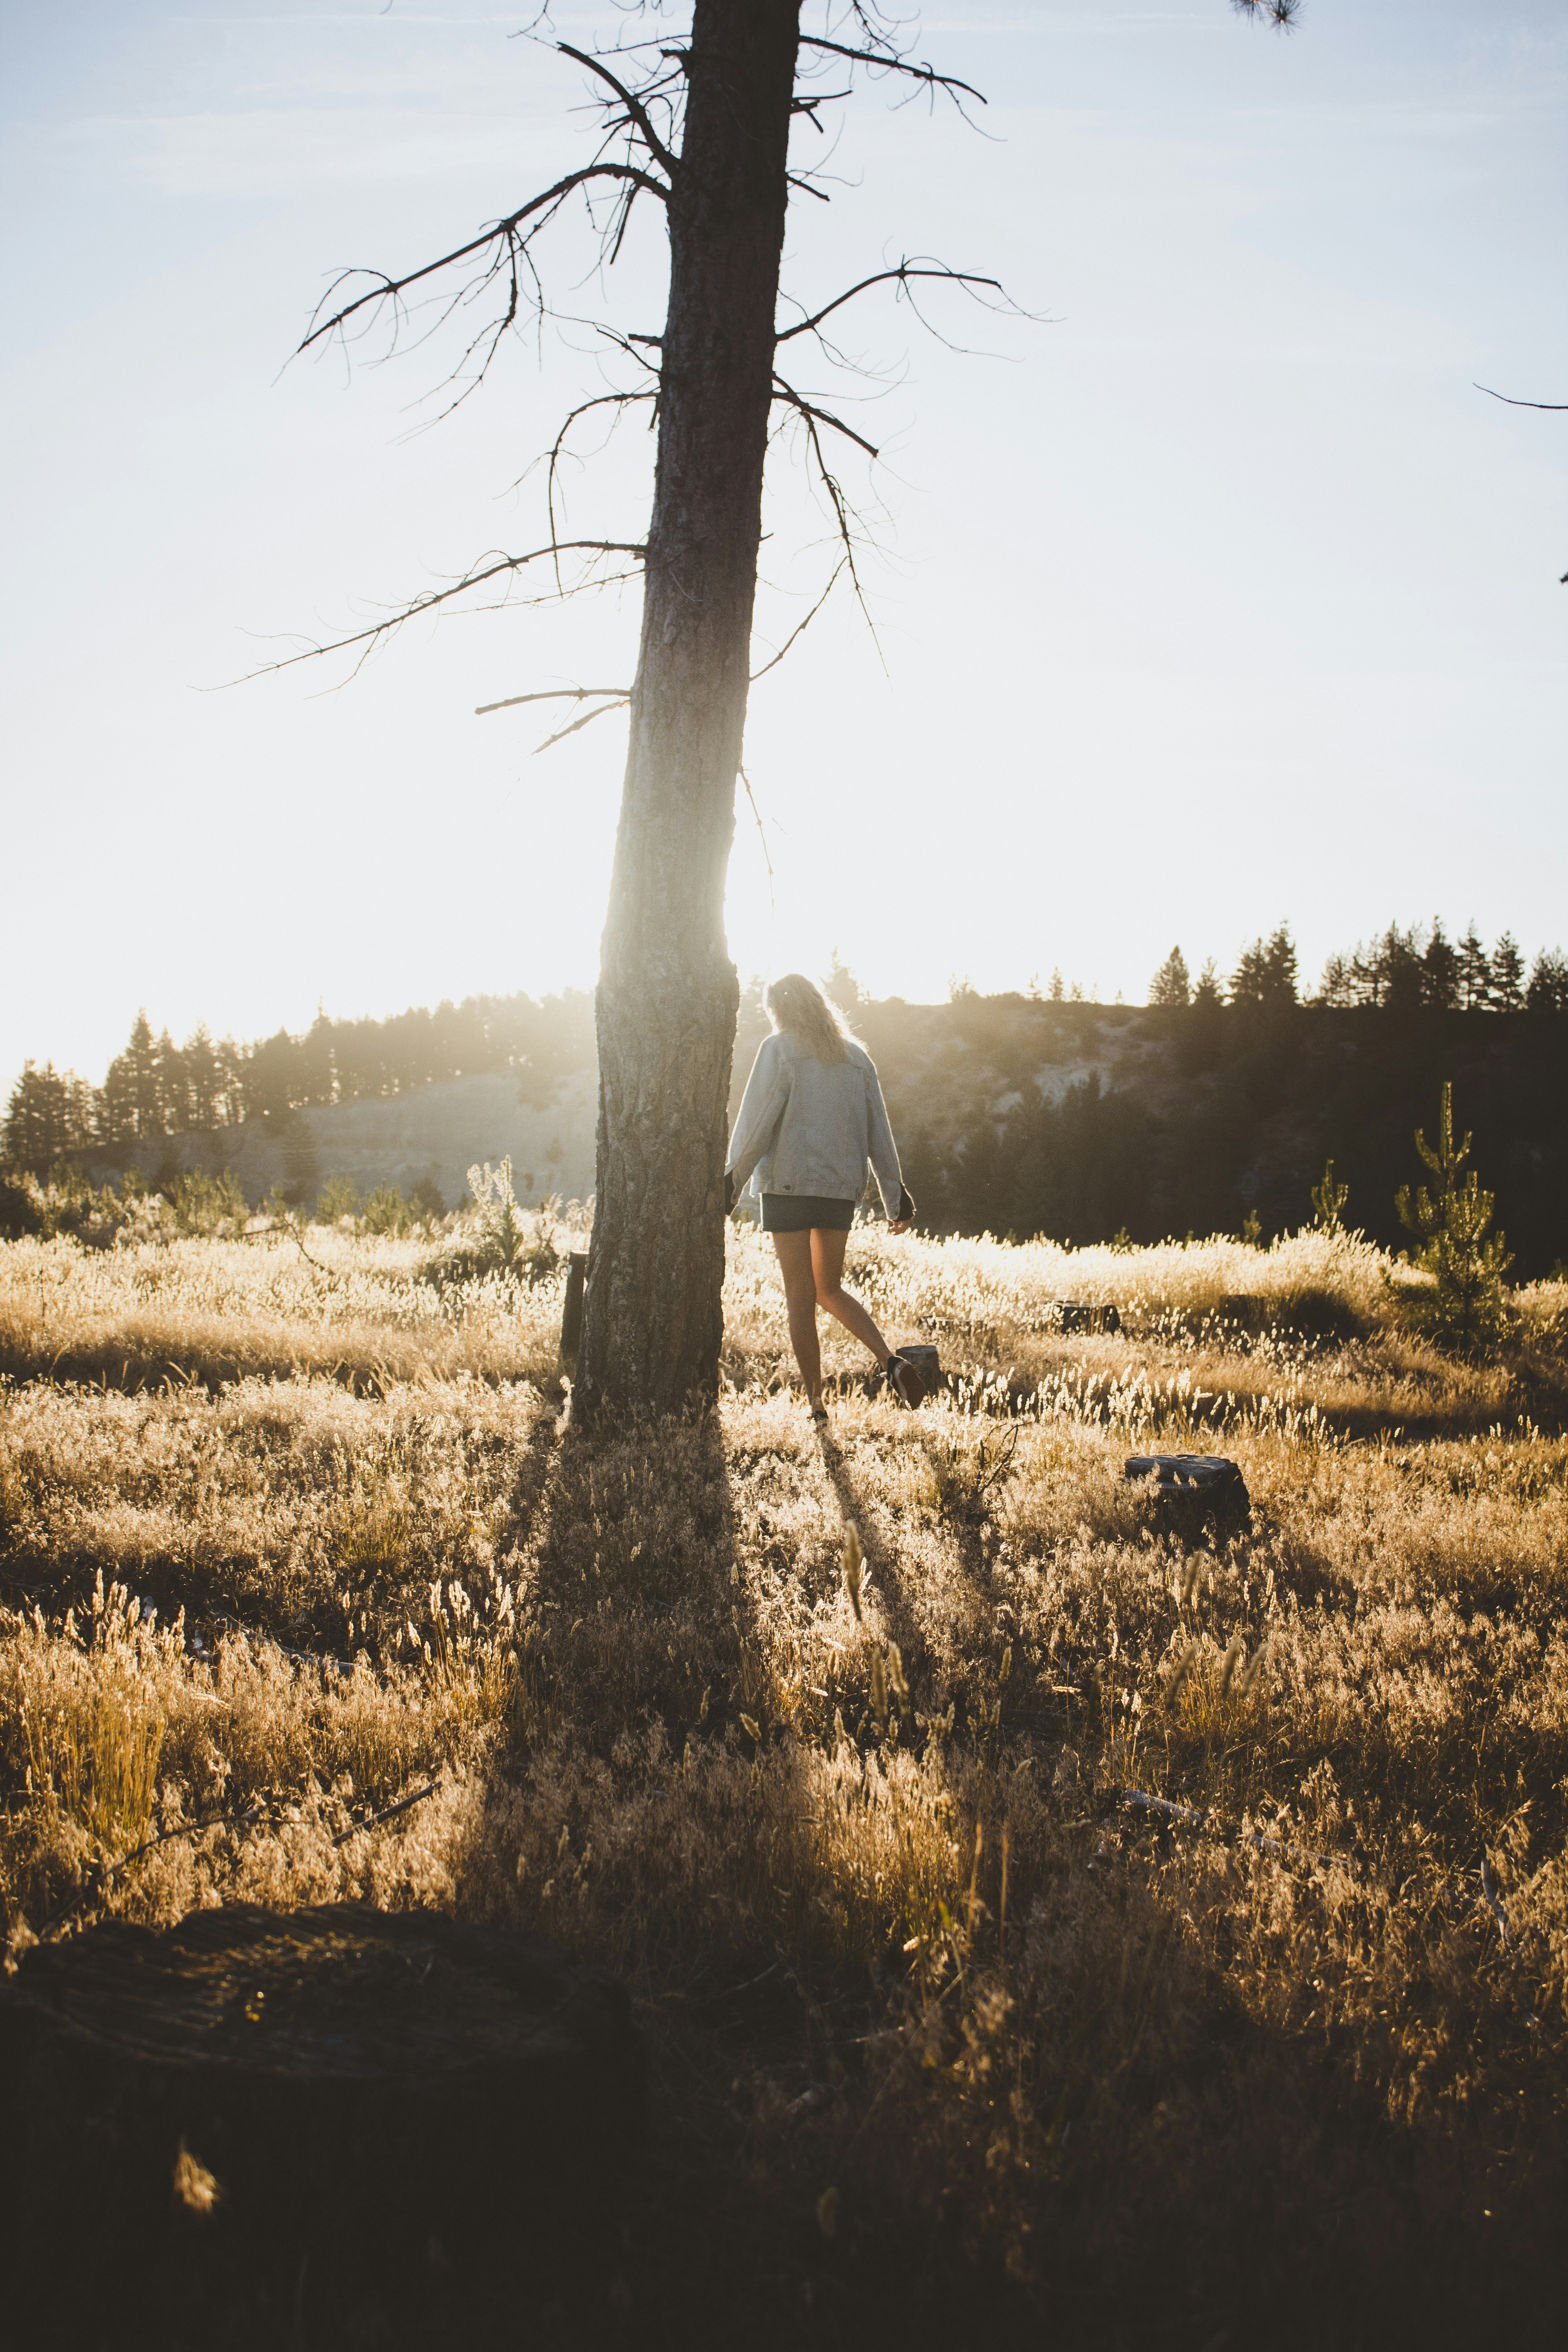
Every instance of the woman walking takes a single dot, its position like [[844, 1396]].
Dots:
[[811, 1117]]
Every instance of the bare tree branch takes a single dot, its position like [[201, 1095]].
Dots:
[[889, 61], [501, 254], [614, 698], [793, 399], [503, 566], [756, 812], [620, 703], [902, 275], [391, 289], [800, 628], [1556, 407], [603, 400], [842, 515], [636, 110], [556, 694], [808, 106]]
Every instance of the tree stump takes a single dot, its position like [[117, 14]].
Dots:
[[254, 2090], [1083, 1314]]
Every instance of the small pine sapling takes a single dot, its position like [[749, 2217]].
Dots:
[[201, 1203], [385, 1212], [338, 1198], [1465, 1305], [425, 1202]]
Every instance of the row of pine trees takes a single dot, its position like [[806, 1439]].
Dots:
[[156, 1087], [1414, 971]]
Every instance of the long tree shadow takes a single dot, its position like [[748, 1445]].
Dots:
[[954, 1557], [650, 1809], [635, 1803]]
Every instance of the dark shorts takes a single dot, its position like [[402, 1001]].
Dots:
[[798, 1212]]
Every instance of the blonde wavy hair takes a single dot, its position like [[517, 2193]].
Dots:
[[798, 1007]]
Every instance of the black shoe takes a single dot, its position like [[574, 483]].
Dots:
[[904, 1380]]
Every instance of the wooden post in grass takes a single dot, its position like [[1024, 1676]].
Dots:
[[572, 1310]]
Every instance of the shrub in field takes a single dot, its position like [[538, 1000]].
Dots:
[[506, 1239], [69, 1207], [502, 1234], [21, 1206]]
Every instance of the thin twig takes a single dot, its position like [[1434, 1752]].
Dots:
[[616, 400], [1259, 1838], [800, 627], [761, 837], [183, 1829], [997, 1473], [388, 289], [902, 275], [890, 62], [387, 1813], [1556, 407], [433, 597], [291, 1231], [634, 106], [587, 718], [793, 399], [730, 1991]]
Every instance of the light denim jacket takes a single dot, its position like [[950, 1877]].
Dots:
[[810, 1127]]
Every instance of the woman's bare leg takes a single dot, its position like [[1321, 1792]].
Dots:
[[800, 1298], [828, 1264]]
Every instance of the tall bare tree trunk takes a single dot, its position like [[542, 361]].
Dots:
[[667, 992]]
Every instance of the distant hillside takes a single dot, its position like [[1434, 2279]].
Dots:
[[1014, 1115], [431, 1135]]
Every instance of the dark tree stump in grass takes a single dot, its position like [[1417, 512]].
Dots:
[[339, 2091], [1082, 1314]]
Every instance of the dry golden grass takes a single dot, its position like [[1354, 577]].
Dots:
[[1016, 2039]]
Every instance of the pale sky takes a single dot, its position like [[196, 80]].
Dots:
[[1217, 596]]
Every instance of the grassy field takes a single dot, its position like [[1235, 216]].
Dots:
[[950, 2037]]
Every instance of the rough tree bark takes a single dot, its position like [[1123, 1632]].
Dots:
[[667, 993]]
